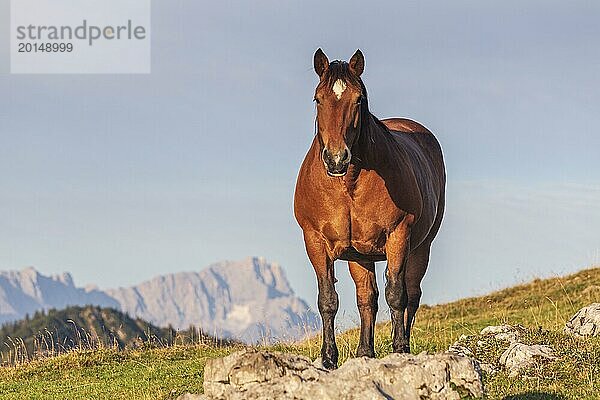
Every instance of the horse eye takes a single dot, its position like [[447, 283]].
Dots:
[[316, 100]]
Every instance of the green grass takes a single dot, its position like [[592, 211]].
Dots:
[[541, 307], [111, 374]]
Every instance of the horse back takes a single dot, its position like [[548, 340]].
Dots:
[[408, 130], [404, 125]]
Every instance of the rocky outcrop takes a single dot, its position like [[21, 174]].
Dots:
[[519, 357], [585, 322], [250, 374], [505, 333], [515, 357]]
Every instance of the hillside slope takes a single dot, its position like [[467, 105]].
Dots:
[[542, 307], [545, 303], [78, 327], [89, 327]]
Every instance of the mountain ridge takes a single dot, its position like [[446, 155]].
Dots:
[[249, 300]]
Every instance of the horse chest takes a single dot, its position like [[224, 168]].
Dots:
[[369, 226], [360, 225], [354, 216]]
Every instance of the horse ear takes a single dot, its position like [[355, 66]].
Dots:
[[320, 62], [357, 63]]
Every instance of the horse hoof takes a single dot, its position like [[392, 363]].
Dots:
[[365, 353], [328, 364], [403, 349]]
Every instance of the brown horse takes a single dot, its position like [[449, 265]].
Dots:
[[367, 191]]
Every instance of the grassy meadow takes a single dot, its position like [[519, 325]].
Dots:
[[542, 307]]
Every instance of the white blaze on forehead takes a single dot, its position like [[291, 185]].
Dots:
[[338, 88]]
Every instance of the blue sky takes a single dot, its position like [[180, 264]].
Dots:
[[120, 178]]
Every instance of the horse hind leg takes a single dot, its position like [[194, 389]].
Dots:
[[416, 266], [363, 275], [397, 248]]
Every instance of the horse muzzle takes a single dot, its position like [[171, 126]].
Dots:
[[336, 163]]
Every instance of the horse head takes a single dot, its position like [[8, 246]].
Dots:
[[339, 96]]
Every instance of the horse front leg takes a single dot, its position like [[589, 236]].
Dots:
[[328, 299], [397, 249], [363, 274]]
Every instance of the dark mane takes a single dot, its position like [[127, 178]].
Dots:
[[340, 70]]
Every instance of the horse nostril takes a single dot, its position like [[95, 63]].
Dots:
[[345, 156]]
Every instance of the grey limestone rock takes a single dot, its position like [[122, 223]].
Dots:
[[505, 333], [251, 374], [519, 357], [585, 322]]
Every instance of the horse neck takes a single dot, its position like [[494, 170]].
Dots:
[[372, 133]]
